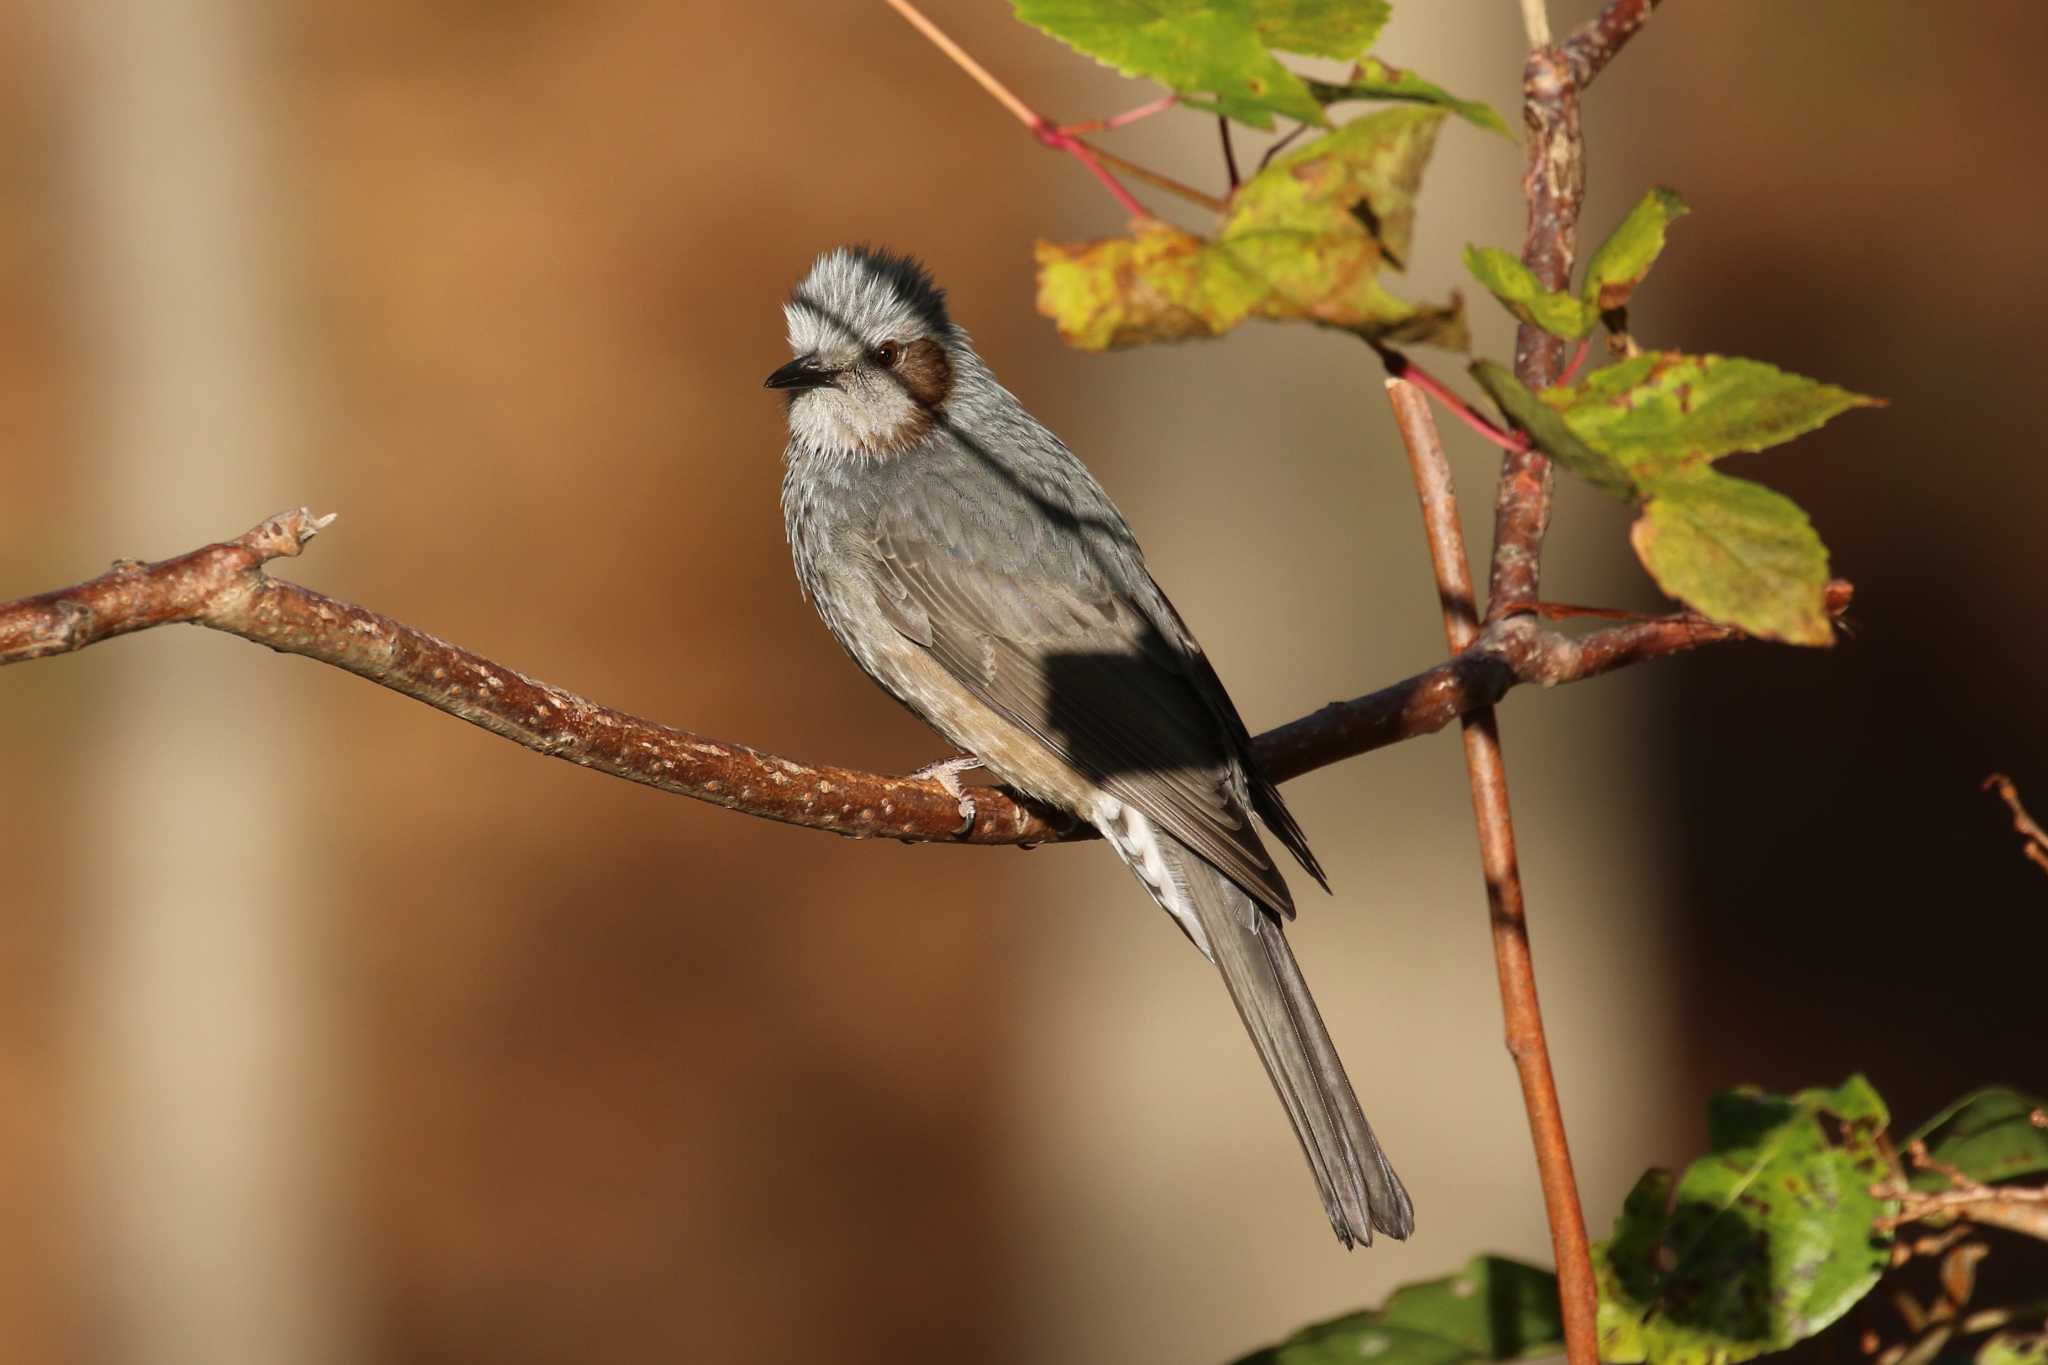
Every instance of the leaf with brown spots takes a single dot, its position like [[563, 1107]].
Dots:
[[1648, 429], [1304, 240], [1759, 1244]]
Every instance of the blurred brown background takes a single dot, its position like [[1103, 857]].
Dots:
[[334, 1030]]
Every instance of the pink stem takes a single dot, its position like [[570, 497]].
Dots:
[[1044, 130], [1126, 118], [1401, 367]]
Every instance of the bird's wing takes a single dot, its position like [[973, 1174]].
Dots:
[[1047, 642]]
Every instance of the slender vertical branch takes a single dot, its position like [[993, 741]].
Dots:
[[1554, 184], [1488, 776], [1229, 152]]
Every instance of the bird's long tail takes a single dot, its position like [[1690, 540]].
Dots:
[[1360, 1191]]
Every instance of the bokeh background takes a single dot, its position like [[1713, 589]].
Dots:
[[332, 1030]]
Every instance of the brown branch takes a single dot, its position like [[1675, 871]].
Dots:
[[1555, 186], [1488, 775], [2036, 845], [223, 587], [2016, 1208], [1593, 46]]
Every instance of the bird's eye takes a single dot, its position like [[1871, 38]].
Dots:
[[887, 353]]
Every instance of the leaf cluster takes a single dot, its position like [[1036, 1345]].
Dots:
[[1311, 236], [1782, 1226]]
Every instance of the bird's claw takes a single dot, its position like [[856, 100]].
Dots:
[[946, 772]]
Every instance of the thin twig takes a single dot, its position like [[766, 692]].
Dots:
[[1400, 366], [2016, 1208], [223, 587], [1229, 152], [1042, 128], [1488, 775], [1281, 145], [1536, 22], [1123, 120], [1155, 179], [2036, 845]]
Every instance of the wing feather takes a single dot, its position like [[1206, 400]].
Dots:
[[1088, 672]]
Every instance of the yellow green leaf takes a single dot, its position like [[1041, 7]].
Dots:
[[1521, 293], [1618, 265], [1305, 240]]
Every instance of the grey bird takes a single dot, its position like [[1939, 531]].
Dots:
[[975, 569]]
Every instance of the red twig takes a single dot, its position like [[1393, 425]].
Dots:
[[1488, 775], [1578, 359], [224, 588], [1123, 120], [1401, 367], [1154, 178], [1041, 127]]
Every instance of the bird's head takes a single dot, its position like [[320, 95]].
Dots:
[[875, 353]]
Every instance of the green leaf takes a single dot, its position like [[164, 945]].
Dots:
[[1211, 47], [1494, 1309], [1516, 286], [1553, 437], [2015, 1348], [1305, 239], [1620, 262], [1647, 429], [1376, 80], [1738, 552], [1989, 1135], [1321, 28], [1761, 1243], [1661, 407]]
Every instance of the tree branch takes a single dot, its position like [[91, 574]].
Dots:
[[1490, 811], [2016, 1208], [2034, 840], [1555, 187], [224, 588], [1593, 46]]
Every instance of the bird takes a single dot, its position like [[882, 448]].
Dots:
[[972, 567]]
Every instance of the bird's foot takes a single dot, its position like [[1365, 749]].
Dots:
[[946, 772]]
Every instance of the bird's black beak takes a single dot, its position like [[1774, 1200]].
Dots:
[[805, 372]]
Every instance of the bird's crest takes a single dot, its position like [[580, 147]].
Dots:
[[865, 296]]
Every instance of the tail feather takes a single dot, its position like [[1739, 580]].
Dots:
[[1359, 1189]]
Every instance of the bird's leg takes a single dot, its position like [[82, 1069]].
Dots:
[[946, 772]]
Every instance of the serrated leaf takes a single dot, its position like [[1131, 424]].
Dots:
[[1494, 1309], [1618, 265], [1529, 413], [1989, 1135], [1305, 239], [1376, 80], [1647, 428], [1198, 47], [1737, 552], [1521, 293], [1367, 172], [1763, 1242], [1321, 28], [1661, 407]]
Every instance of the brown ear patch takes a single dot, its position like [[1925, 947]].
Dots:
[[925, 373]]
